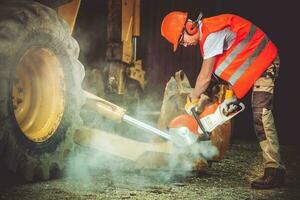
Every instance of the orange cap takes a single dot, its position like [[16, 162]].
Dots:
[[172, 27]]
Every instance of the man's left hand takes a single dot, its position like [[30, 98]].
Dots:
[[190, 103]]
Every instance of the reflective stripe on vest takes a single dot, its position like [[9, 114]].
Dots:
[[249, 60], [222, 66], [236, 51]]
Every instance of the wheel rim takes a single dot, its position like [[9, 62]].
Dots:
[[38, 94]]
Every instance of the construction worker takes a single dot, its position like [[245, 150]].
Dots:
[[240, 53]]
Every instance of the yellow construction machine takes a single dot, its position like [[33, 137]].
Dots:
[[41, 94]]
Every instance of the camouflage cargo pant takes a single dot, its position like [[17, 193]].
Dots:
[[262, 106]]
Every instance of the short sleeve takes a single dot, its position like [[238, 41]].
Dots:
[[217, 42]]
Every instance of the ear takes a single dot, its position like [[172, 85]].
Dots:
[[191, 27]]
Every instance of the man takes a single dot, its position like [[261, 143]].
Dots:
[[240, 53]]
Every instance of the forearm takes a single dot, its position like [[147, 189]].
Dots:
[[200, 87], [203, 78]]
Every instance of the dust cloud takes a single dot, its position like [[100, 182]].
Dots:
[[87, 163]]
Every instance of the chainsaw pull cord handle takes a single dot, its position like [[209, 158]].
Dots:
[[195, 114]]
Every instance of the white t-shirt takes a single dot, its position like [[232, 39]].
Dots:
[[217, 42]]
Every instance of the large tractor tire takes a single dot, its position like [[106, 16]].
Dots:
[[40, 90]]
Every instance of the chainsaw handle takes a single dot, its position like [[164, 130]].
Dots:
[[195, 114]]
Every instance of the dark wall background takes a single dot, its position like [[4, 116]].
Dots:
[[277, 18]]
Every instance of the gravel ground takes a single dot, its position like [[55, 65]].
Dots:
[[227, 179]]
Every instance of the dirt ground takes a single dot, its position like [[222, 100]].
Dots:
[[227, 179]]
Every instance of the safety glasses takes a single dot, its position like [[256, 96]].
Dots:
[[181, 38]]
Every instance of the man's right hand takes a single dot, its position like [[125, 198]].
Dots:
[[190, 103]]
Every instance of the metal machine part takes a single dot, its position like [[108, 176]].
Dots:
[[40, 95], [114, 112], [35, 79], [122, 36]]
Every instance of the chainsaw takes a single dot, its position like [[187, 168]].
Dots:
[[184, 130], [199, 126]]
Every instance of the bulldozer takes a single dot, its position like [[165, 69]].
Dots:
[[41, 93]]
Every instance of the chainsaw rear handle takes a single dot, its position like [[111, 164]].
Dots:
[[195, 115], [238, 108]]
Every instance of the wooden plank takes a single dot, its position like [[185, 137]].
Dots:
[[118, 146], [145, 155]]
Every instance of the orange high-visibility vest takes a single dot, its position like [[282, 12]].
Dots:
[[248, 57]]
